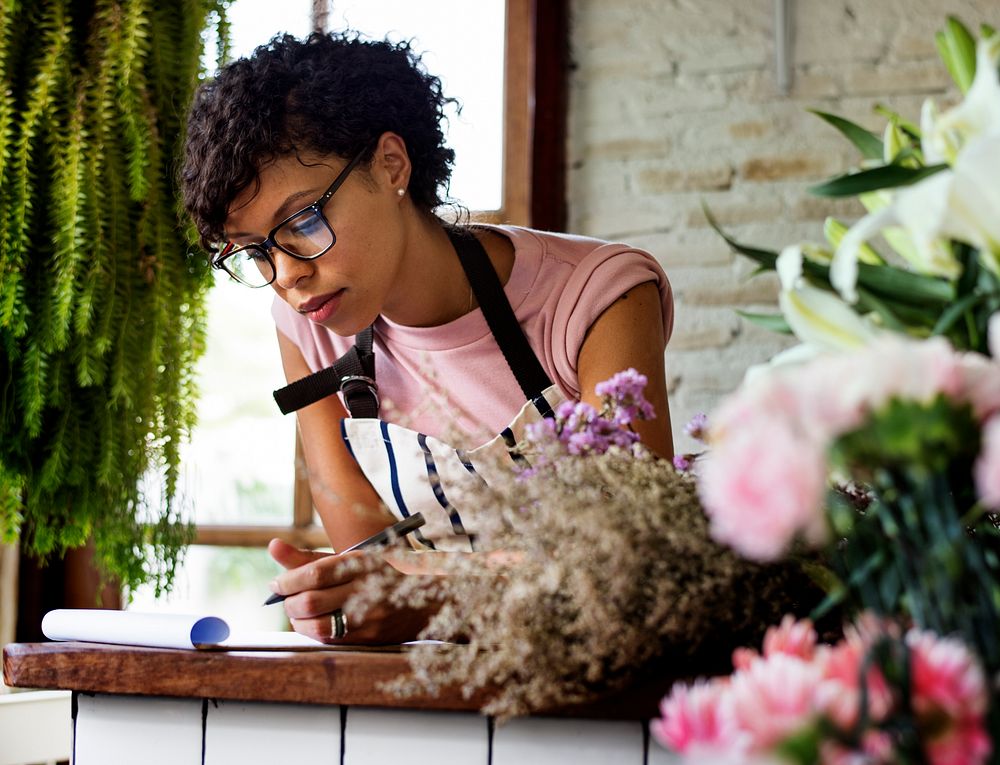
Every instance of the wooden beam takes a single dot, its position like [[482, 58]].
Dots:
[[258, 536], [341, 675], [519, 65], [550, 76]]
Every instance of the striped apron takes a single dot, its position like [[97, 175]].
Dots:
[[411, 471]]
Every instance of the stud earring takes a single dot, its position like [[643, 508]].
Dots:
[[400, 192]]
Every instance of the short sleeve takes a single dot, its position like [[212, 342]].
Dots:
[[599, 279]]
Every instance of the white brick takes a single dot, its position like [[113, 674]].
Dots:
[[923, 76], [668, 95], [685, 177], [685, 247]]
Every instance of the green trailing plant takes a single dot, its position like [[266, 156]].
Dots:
[[101, 293]]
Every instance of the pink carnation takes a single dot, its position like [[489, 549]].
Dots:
[[946, 676], [876, 749], [839, 695], [695, 717], [950, 698], [793, 637], [987, 469], [981, 384], [762, 487], [774, 698], [763, 482], [965, 743], [911, 370]]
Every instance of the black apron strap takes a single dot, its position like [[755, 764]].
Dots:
[[353, 373], [500, 317]]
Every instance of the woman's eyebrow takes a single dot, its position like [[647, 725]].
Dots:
[[287, 208], [280, 214]]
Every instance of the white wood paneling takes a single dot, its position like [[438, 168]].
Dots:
[[413, 737], [251, 733], [660, 756], [554, 741], [35, 727], [125, 730]]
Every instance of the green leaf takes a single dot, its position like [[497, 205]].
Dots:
[[765, 258], [773, 322], [905, 286], [955, 311], [885, 177], [867, 142], [868, 302], [91, 115], [801, 747], [892, 284], [957, 48]]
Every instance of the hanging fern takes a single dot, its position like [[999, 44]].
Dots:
[[101, 294]]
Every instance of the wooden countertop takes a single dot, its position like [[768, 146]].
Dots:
[[352, 678]]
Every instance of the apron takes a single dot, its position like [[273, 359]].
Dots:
[[411, 471]]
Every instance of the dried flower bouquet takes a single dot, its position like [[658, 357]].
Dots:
[[605, 564]]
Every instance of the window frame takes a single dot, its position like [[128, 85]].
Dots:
[[534, 177], [533, 194]]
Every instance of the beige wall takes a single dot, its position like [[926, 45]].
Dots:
[[8, 596], [675, 101]]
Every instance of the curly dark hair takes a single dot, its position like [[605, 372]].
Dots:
[[329, 94]]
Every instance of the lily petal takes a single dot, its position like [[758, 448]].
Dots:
[[844, 268], [945, 136], [797, 354], [789, 266], [821, 319]]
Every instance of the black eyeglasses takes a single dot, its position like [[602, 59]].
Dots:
[[304, 235]]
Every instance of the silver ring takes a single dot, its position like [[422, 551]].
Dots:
[[338, 624]]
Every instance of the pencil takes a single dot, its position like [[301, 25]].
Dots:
[[385, 536]]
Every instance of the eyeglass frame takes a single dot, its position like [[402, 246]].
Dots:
[[316, 208]]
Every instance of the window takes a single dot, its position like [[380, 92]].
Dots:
[[239, 475]]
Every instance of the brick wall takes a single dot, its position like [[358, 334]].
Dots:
[[675, 102]]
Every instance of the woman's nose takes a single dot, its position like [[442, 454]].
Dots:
[[289, 271]]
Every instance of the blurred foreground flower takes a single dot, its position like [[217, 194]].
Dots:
[[874, 697], [913, 428]]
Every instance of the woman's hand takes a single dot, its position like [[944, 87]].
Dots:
[[316, 584]]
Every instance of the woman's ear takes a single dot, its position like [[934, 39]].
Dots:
[[391, 163]]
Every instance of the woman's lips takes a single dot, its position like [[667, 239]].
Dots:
[[321, 308]]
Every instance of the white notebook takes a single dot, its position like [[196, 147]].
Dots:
[[177, 631]]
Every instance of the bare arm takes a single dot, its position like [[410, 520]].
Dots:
[[630, 334], [347, 504]]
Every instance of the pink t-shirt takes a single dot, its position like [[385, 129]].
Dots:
[[434, 379]]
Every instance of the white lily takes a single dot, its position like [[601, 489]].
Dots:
[[797, 354], [936, 259], [946, 135], [817, 317], [958, 203]]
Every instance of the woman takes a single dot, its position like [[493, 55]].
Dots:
[[315, 167]]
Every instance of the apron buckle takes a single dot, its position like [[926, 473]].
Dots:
[[354, 386]]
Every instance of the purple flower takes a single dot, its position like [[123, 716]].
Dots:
[[683, 462], [698, 427], [623, 397], [579, 429]]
